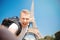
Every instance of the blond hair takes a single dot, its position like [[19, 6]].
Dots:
[[25, 11]]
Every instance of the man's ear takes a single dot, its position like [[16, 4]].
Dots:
[[19, 19]]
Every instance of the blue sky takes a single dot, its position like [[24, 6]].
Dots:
[[46, 12]]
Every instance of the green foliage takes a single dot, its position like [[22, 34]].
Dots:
[[47, 38], [57, 35]]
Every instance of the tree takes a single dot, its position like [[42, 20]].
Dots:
[[57, 35], [48, 38]]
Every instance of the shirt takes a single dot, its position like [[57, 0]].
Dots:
[[24, 30]]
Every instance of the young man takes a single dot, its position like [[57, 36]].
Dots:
[[23, 24], [24, 20]]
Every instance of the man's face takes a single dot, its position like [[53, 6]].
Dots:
[[24, 19]]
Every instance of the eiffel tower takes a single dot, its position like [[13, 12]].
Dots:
[[33, 30]]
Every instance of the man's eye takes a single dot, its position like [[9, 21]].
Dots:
[[27, 18], [23, 18]]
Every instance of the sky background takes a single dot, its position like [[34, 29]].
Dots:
[[46, 12]]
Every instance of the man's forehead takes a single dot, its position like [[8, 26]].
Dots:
[[23, 14]]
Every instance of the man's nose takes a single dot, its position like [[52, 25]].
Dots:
[[24, 20]]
